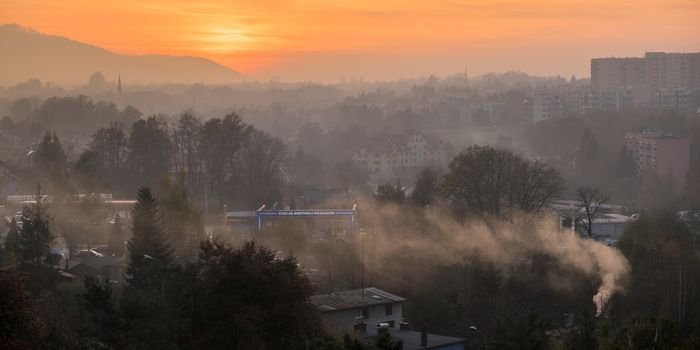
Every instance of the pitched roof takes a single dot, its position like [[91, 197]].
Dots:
[[98, 262], [351, 299]]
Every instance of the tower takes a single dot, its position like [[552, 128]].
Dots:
[[119, 85]]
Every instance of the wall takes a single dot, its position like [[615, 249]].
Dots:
[[342, 321], [672, 155]]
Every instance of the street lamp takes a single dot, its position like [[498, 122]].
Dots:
[[483, 337]]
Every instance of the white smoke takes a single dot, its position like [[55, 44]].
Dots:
[[444, 240]]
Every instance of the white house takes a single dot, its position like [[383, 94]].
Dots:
[[376, 311], [341, 310], [608, 227]]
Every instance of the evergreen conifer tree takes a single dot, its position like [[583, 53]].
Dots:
[[34, 240], [425, 188], [183, 222], [10, 248], [51, 162], [150, 253]]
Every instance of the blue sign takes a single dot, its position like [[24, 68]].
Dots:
[[345, 213], [320, 212]]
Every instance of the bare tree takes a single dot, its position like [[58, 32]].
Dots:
[[478, 180], [592, 200], [187, 135], [424, 188], [111, 146], [497, 182], [263, 160], [218, 151], [534, 183]]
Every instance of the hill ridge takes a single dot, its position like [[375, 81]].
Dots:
[[29, 53]]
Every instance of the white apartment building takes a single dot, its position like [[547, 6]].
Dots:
[[385, 154], [546, 105]]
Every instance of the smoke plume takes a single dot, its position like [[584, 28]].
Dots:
[[441, 239]]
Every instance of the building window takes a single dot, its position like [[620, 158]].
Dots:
[[388, 309]]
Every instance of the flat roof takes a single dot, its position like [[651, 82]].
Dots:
[[411, 339]]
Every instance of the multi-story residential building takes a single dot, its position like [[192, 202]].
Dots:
[[658, 70], [658, 79], [547, 105], [672, 70], [518, 107], [617, 73], [660, 154], [674, 98], [608, 100], [385, 154]]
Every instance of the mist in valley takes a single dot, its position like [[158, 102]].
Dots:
[[167, 201]]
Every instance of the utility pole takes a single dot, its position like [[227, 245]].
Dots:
[[362, 265]]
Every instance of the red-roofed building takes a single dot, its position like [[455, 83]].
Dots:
[[383, 155]]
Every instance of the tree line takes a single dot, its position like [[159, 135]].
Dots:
[[224, 297], [222, 160], [482, 180]]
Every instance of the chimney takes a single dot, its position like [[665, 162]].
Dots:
[[423, 337]]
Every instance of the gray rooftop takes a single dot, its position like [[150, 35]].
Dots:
[[351, 299], [411, 339], [98, 262]]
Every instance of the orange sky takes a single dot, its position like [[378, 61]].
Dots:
[[324, 40]]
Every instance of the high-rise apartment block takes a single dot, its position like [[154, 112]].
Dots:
[[660, 79], [661, 154], [616, 73], [656, 70]]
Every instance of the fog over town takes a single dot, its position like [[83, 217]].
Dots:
[[163, 199]]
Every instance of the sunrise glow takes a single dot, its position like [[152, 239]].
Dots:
[[274, 37]]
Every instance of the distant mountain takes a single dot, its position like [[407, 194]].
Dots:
[[25, 54]]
